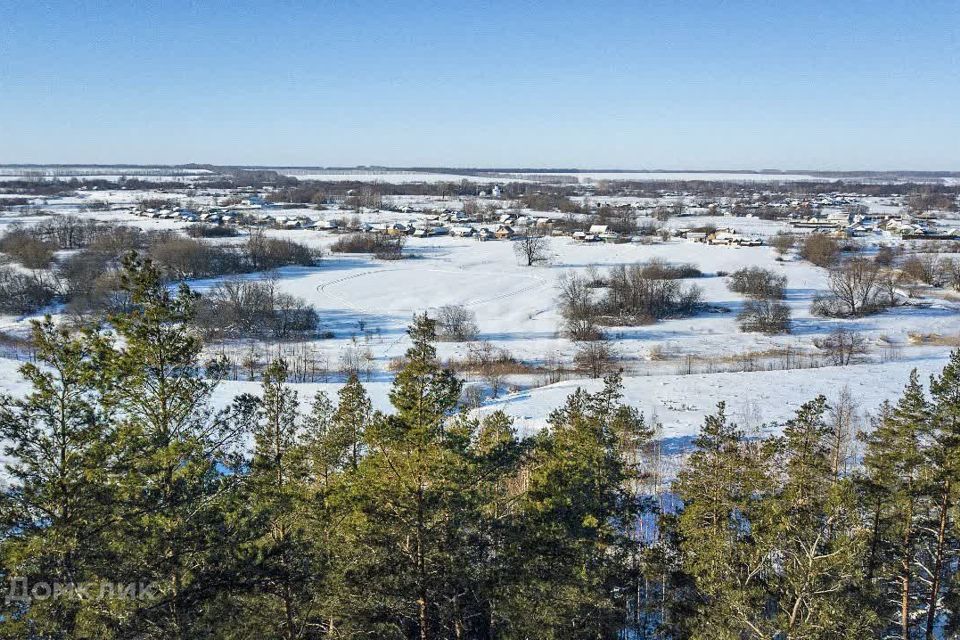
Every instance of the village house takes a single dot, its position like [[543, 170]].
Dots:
[[694, 236], [462, 232], [730, 237]]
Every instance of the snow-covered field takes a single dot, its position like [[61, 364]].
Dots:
[[398, 176], [391, 176], [674, 176], [63, 172], [676, 369], [755, 399]]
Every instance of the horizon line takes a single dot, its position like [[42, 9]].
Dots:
[[442, 169]]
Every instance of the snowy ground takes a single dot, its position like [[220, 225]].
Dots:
[[755, 400], [368, 303], [398, 176]]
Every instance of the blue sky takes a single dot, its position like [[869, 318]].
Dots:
[[833, 85]]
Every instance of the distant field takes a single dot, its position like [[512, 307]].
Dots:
[[403, 176]]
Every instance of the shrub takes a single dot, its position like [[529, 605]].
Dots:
[[758, 283], [381, 245], [884, 256], [23, 293], [182, 258], [820, 249], [493, 365], [25, 247], [764, 316], [842, 345], [272, 253], [661, 270], [782, 242], [596, 358], [212, 231]]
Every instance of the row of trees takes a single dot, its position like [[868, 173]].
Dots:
[[266, 520], [859, 285]]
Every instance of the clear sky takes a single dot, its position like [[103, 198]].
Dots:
[[839, 84]]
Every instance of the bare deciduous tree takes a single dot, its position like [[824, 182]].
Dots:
[[596, 358], [456, 323], [492, 364], [820, 249], [857, 287], [578, 309], [532, 248], [951, 269], [244, 308], [842, 346], [926, 269], [844, 427], [783, 242]]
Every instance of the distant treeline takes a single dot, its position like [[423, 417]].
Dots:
[[88, 278], [300, 190]]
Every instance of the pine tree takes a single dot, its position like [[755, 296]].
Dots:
[[892, 476], [283, 560], [942, 473], [351, 419], [57, 499], [168, 457], [414, 508], [817, 544], [723, 540], [501, 483], [325, 450], [575, 548]]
